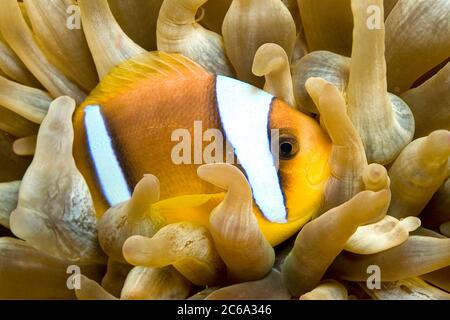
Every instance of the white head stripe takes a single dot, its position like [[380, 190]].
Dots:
[[244, 112], [109, 173]]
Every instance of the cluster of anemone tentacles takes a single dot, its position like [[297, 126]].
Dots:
[[375, 73]]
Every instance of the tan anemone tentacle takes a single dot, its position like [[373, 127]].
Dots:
[[63, 44], [179, 32], [425, 232], [24, 12], [234, 227], [417, 40], [375, 177], [436, 211], [247, 26], [138, 19], [201, 295], [300, 49], [327, 290], [384, 121], [272, 62], [18, 35], [418, 172], [116, 274], [405, 289], [188, 247], [16, 125], [55, 212], [329, 66], [347, 160], [328, 25], [129, 218], [269, 288], [91, 290], [292, 6], [385, 233], [322, 239], [9, 192], [30, 103], [416, 256], [12, 67], [430, 103], [388, 6], [145, 283], [382, 235], [108, 43], [27, 273], [25, 146]]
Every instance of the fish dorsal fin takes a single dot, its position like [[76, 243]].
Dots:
[[155, 64]]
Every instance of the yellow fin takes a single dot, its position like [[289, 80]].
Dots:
[[155, 64], [192, 208], [197, 208]]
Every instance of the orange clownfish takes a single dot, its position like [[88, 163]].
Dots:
[[125, 129]]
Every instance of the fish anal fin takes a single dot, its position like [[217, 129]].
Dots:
[[192, 208]]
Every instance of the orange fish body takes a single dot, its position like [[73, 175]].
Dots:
[[127, 127]]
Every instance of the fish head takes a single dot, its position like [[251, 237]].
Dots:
[[283, 153], [303, 150]]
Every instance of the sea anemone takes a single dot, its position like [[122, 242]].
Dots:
[[374, 74]]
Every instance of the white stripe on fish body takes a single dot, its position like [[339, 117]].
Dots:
[[244, 112], [108, 170]]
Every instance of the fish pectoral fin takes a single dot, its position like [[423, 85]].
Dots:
[[191, 208]]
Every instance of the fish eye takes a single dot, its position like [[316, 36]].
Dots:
[[289, 147]]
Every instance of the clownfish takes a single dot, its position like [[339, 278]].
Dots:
[[124, 130]]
